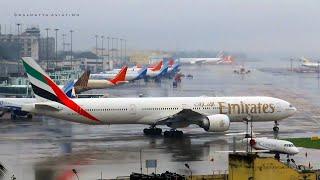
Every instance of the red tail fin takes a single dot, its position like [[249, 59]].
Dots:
[[171, 62], [157, 67], [121, 76]]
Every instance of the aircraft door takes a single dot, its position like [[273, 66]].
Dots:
[[185, 106], [278, 107], [133, 109]]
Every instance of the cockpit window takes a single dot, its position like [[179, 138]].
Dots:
[[290, 105]]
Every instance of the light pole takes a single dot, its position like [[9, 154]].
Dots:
[[47, 47], [121, 49], [96, 36], [112, 48], [63, 43], [108, 49], [125, 49], [56, 30], [71, 31], [116, 49], [76, 173], [102, 59], [19, 54], [140, 161], [187, 166]]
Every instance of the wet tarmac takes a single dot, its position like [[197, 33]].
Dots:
[[46, 147]]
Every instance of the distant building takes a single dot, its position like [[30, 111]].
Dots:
[[28, 43], [25, 44], [46, 44], [80, 64], [148, 57], [10, 69]]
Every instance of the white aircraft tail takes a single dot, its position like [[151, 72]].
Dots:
[[305, 60]]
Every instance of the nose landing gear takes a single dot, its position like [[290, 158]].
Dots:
[[275, 127], [173, 133], [276, 130], [152, 131]]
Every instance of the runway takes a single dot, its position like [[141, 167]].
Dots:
[[45, 146]]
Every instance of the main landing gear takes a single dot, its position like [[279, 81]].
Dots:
[[277, 156], [152, 131], [173, 133], [276, 130], [275, 127]]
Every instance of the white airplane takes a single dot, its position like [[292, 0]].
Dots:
[[264, 144], [104, 83], [157, 70], [220, 59], [213, 114], [153, 71], [307, 63], [131, 75], [173, 67]]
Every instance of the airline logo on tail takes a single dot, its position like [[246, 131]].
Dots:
[[121, 76], [82, 82], [305, 60], [45, 89], [171, 62], [158, 66]]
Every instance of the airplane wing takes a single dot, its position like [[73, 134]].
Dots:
[[244, 151], [44, 106], [185, 116], [198, 61]]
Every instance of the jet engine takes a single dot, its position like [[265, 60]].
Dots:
[[216, 123]]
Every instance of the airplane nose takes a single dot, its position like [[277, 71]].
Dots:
[[295, 150]]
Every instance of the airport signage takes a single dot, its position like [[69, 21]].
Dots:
[[151, 163]]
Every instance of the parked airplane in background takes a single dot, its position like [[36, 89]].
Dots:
[[14, 105], [220, 59], [161, 69], [307, 63], [213, 114], [155, 71], [226, 60], [120, 78], [131, 75], [159, 73], [271, 145], [173, 67]]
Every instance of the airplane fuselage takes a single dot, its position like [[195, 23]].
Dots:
[[151, 110], [274, 145]]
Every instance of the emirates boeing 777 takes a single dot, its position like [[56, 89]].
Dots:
[[213, 114]]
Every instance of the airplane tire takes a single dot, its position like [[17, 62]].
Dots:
[[173, 134], [13, 117], [277, 156], [29, 116], [152, 131]]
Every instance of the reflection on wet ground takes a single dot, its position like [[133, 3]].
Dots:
[[46, 147]]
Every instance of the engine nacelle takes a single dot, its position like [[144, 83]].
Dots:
[[216, 123]]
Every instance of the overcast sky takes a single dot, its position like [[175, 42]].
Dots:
[[248, 26]]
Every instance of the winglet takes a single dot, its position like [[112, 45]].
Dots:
[[158, 66], [121, 76]]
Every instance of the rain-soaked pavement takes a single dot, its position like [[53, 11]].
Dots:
[[45, 148]]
